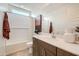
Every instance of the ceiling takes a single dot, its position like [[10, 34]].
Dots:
[[43, 8]]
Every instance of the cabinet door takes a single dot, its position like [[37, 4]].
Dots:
[[49, 52], [45, 52], [38, 50], [46, 49], [35, 47], [61, 52], [42, 51]]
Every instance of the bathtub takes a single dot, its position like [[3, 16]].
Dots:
[[15, 47]]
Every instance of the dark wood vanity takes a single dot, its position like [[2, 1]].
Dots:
[[41, 48]]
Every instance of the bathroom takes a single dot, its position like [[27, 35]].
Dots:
[[38, 20]]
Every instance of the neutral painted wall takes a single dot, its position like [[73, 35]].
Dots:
[[64, 18], [67, 17]]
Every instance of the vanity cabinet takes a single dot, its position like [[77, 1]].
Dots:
[[41, 48]]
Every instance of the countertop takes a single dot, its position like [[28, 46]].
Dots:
[[59, 42]]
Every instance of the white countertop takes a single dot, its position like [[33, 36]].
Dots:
[[59, 42]]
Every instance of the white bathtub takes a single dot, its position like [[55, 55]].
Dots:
[[12, 48]]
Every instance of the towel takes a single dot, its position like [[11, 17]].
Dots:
[[6, 27], [50, 28]]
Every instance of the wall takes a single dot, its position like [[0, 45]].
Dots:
[[67, 17], [64, 18]]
